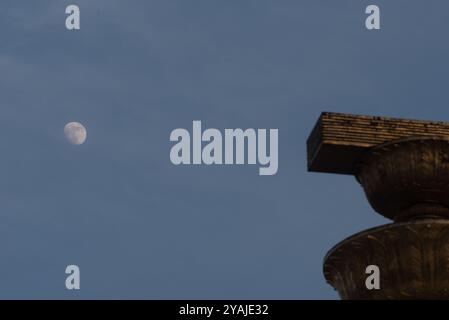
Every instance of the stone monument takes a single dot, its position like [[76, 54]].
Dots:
[[403, 167]]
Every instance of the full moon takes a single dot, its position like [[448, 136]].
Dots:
[[75, 133]]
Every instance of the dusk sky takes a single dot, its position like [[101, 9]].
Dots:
[[140, 227]]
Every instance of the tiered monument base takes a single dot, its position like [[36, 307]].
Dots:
[[403, 167]]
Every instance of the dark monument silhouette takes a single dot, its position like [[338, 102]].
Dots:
[[403, 167]]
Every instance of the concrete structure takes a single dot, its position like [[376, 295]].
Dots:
[[403, 167]]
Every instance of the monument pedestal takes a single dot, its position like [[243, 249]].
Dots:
[[413, 259], [403, 167]]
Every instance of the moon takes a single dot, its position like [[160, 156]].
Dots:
[[75, 132]]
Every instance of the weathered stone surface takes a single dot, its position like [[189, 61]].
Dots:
[[403, 167], [338, 140], [413, 259]]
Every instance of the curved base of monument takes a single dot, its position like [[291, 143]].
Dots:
[[412, 260]]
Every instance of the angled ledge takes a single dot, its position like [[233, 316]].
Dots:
[[338, 140]]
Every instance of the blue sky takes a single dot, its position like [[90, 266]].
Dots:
[[140, 227]]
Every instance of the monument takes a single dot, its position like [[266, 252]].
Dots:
[[403, 167]]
